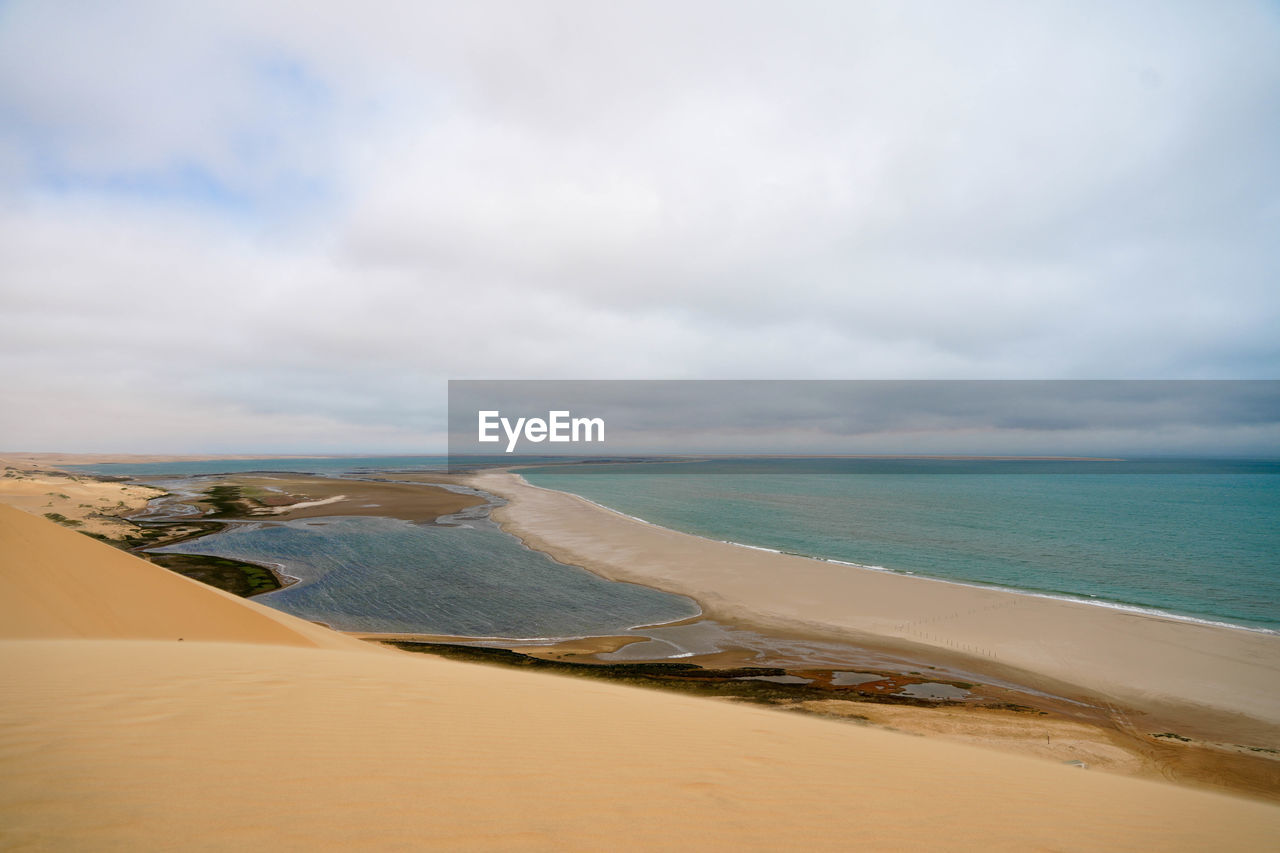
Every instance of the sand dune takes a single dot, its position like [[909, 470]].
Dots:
[[261, 731], [90, 505], [56, 583]]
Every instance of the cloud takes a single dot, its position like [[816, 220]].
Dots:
[[323, 211], [1053, 417]]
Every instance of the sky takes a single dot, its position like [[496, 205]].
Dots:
[[282, 228], [1133, 418]]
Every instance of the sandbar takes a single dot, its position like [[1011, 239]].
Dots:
[[1213, 681]]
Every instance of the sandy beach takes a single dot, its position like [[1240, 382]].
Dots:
[[143, 707], [1212, 681]]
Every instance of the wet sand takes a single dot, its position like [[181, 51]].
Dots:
[[328, 496], [1214, 682]]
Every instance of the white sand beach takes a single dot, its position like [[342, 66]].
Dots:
[[1157, 665]]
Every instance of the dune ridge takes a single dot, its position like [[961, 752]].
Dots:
[[260, 731]]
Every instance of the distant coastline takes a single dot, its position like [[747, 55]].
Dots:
[[1093, 602], [1070, 642], [955, 628]]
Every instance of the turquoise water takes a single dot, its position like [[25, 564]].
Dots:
[[1190, 537], [1203, 545], [470, 579], [330, 465], [319, 465]]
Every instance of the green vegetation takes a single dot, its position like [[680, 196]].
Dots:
[[1014, 706], [256, 494], [62, 519], [225, 500], [233, 576], [681, 677], [153, 534], [141, 537], [230, 501]]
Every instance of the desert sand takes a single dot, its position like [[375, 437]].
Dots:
[[88, 504], [143, 710], [1210, 679]]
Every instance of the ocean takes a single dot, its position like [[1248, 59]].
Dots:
[[331, 465], [1194, 538]]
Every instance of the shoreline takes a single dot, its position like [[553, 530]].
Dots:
[[912, 635], [1212, 679], [54, 459], [1126, 607], [1102, 741]]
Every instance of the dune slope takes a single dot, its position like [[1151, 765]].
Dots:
[[259, 732], [55, 582]]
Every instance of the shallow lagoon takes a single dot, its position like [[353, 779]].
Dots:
[[465, 578]]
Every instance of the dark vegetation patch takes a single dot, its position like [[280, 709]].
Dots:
[[1014, 706], [229, 501], [153, 534], [234, 576], [679, 677]]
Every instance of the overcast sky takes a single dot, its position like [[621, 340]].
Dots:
[[1054, 417], [282, 227]]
